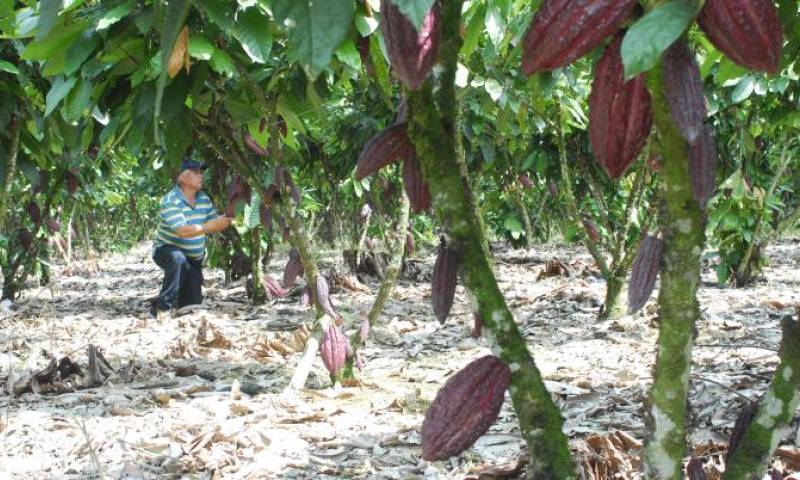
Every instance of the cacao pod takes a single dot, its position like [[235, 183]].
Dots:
[[443, 283], [525, 181], [251, 143], [591, 230], [695, 470], [305, 297], [412, 53], [477, 325], [410, 247], [619, 113], [324, 299], [742, 422], [25, 238], [417, 190], [265, 214], [746, 31], [334, 349], [683, 89], [34, 213], [389, 146], [703, 166], [644, 272], [72, 182], [564, 30], [293, 269], [465, 407], [53, 224], [238, 191], [363, 332], [262, 125], [359, 363], [272, 287]]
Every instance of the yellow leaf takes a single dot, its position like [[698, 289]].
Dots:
[[180, 54]]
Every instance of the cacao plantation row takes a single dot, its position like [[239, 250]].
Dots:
[[413, 150]]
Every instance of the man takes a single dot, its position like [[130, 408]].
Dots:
[[186, 216]]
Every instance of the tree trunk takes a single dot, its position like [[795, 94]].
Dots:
[[613, 307], [259, 293], [682, 226], [526, 218], [432, 130]]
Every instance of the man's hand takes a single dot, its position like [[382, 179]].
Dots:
[[217, 225]]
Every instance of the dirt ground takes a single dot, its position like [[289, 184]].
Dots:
[[200, 395]]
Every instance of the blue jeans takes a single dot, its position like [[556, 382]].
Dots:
[[183, 278]]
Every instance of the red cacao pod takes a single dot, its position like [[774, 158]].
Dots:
[[34, 213], [334, 348], [389, 146], [294, 268], [251, 143], [72, 182], [265, 214], [272, 287], [417, 190], [25, 238], [465, 407], [53, 224], [525, 181], [412, 52], [564, 30], [443, 282], [644, 272], [746, 31], [683, 89], [324, 299], [619, 113], [703, 166]]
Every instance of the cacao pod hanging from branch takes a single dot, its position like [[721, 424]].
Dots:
[[412, 52], [644, 272], [416, 188], [703, 166], [334, 349], [465, 407], [389, 146], [683, 89], [443, 282]]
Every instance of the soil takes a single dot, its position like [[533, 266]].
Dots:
[[201, 395]]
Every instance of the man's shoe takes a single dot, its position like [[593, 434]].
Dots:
[[156, 312]]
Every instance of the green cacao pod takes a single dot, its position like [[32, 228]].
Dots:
[[412, 52], [619, 113], [564, 30], [747, 31], [465, 407]]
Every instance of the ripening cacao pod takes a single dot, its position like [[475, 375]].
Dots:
[[417, 190], [72, 182], [324, 299], [334, 348], [443, 282], [703, 166], [644, 272], [363, 332], [525, 181], [293, 269], [564, 30], [34, 213], [265, 214], [412, 52], [25, 238], [251, 143], [746, 31], [410, 247], [465, 407], [305, 297], [389, 146], [591, 230], [683, 89], [237, 191], [272, 287], [53, 224], [619, 113]]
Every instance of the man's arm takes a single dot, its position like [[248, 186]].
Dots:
[[215, 225]]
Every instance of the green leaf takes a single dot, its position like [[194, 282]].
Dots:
[[315, 30], [474, 31], [252, 31], [365, 25], [647, 39], [415, 10], [8, 67], [222, 63], [114, 15], [513, 225], [177, 10], [743, 89], [77, 100], [80, 51], [251, 212], [177, 137], [380, 66], [495, 25], [59, 39], [200, 48], [48, 15], [348, 54], [219, 11], [61, 87]]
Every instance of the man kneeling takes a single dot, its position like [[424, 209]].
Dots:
[[186, 216]]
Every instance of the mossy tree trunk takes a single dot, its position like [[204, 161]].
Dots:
[[683, 230], [432, 130]]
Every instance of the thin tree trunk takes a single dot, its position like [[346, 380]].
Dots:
[[433, 131], [682, 227], [11, 169]]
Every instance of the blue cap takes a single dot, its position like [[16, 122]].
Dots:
[[189, 164]]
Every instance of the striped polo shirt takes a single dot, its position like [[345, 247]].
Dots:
[[176, 212]]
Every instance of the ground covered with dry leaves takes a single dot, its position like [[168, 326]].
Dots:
[[200, 395]]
